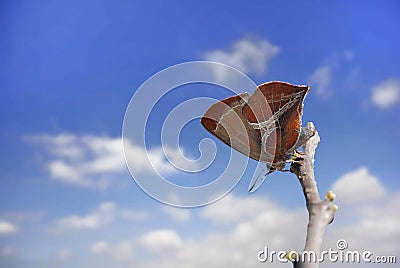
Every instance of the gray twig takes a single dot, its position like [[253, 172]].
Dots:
[[321, 212]]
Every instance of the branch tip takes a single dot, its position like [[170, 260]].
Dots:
[[292, 255], [335, 208]]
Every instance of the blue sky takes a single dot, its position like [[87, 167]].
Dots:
[[70, 69]]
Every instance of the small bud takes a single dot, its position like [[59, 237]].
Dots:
[[335, 208], [291, 256], [330, 196]]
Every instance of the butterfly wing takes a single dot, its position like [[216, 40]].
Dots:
[[257, 181], [225, 121], [283, 122], [260, 116], [264, 126]]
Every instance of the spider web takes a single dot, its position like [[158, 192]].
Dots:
[[273, 123]]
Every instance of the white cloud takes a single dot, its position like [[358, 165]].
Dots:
[[99, 247], [63, 254], [178, 214], [248, 56], [65, 144], [121, 252], [221, 212], [7, 251], [265, 224], [7, 228], [92, 161], [133, 215], [139, 159], [251, 223], [358, 186], [76, 222], [101, 216], [85, 160], [382, 221], [374, 228], [230, 232], [67, 173], [104, 214], [348, 55], [160, 240], [321, 78], [386, 94]]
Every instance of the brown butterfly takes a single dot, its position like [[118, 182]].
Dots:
[[264, 126]]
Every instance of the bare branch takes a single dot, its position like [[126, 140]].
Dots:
[[321, 213]]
